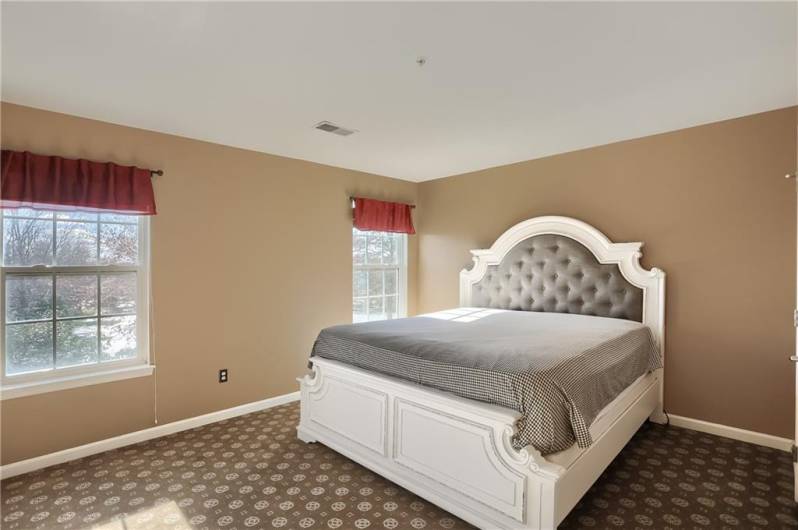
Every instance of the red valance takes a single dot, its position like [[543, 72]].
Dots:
[[381, 216], [32, 181]]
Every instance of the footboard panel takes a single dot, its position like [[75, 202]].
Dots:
[[352, 411], [450, 451]]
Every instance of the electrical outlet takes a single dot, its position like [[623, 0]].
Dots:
[[223, 375]]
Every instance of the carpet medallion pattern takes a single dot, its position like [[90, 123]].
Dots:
[[252, 472]]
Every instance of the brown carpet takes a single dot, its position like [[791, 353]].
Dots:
[[252, 472]]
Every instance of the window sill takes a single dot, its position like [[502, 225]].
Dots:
[[74, 381]]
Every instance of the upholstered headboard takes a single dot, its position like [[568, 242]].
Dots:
[[556, 274], [562, 265]]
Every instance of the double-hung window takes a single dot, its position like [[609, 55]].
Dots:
[[75, 298], [379, 279]]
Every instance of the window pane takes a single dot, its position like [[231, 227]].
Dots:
[[27, 242], [390, 281], [29, 347], [118, 293], [389, 245], [76, 216], [118, 338], [76, 342], [375, 283], [76, 243], [359, 310], [359, 283], [28, 212], [29, 297], [359, 248], [390, 306], [374, 248], [119, 244], [119, 218], [375, 308], [75, 295]]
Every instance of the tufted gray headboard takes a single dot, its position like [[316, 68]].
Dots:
[[557, 274]]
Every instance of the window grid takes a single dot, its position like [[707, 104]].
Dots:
[[99, 270], [98, 315]]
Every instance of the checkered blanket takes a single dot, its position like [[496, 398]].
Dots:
[[557, 370]]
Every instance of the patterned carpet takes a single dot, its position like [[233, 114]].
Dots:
[[252, 472]]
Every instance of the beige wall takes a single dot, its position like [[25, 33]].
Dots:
[[251, 256], [715, 212]]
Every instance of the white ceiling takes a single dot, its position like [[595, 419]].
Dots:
[[503, 82]]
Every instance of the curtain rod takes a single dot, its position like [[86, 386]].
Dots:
[[353, 198], [154, 172]]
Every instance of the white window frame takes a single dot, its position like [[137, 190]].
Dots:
[[401, 281], [30, 383]]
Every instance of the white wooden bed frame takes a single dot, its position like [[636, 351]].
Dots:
[[457, 452]]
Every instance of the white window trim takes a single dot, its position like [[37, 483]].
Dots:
[[401, 287], [401, 308], [32, 383], [65, 382]]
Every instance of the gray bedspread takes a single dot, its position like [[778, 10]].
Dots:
[[557, 370]]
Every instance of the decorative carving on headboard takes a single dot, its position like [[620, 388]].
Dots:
[[562, 264]]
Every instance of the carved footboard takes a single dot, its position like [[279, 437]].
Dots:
[[456, 452], [451, 451]]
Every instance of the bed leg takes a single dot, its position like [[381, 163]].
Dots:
[[659, 416], [306, 437], [305, 383]]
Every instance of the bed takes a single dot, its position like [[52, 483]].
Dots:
[[505, 410]]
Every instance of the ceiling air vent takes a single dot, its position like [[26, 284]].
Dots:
[[333, 128]]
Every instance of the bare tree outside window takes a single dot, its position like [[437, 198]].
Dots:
[[70, 283]]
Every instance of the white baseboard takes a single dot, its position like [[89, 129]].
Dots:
[[39, 462], [758, 438]]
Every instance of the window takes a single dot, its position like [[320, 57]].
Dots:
[[379, 275], [75, 294]]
